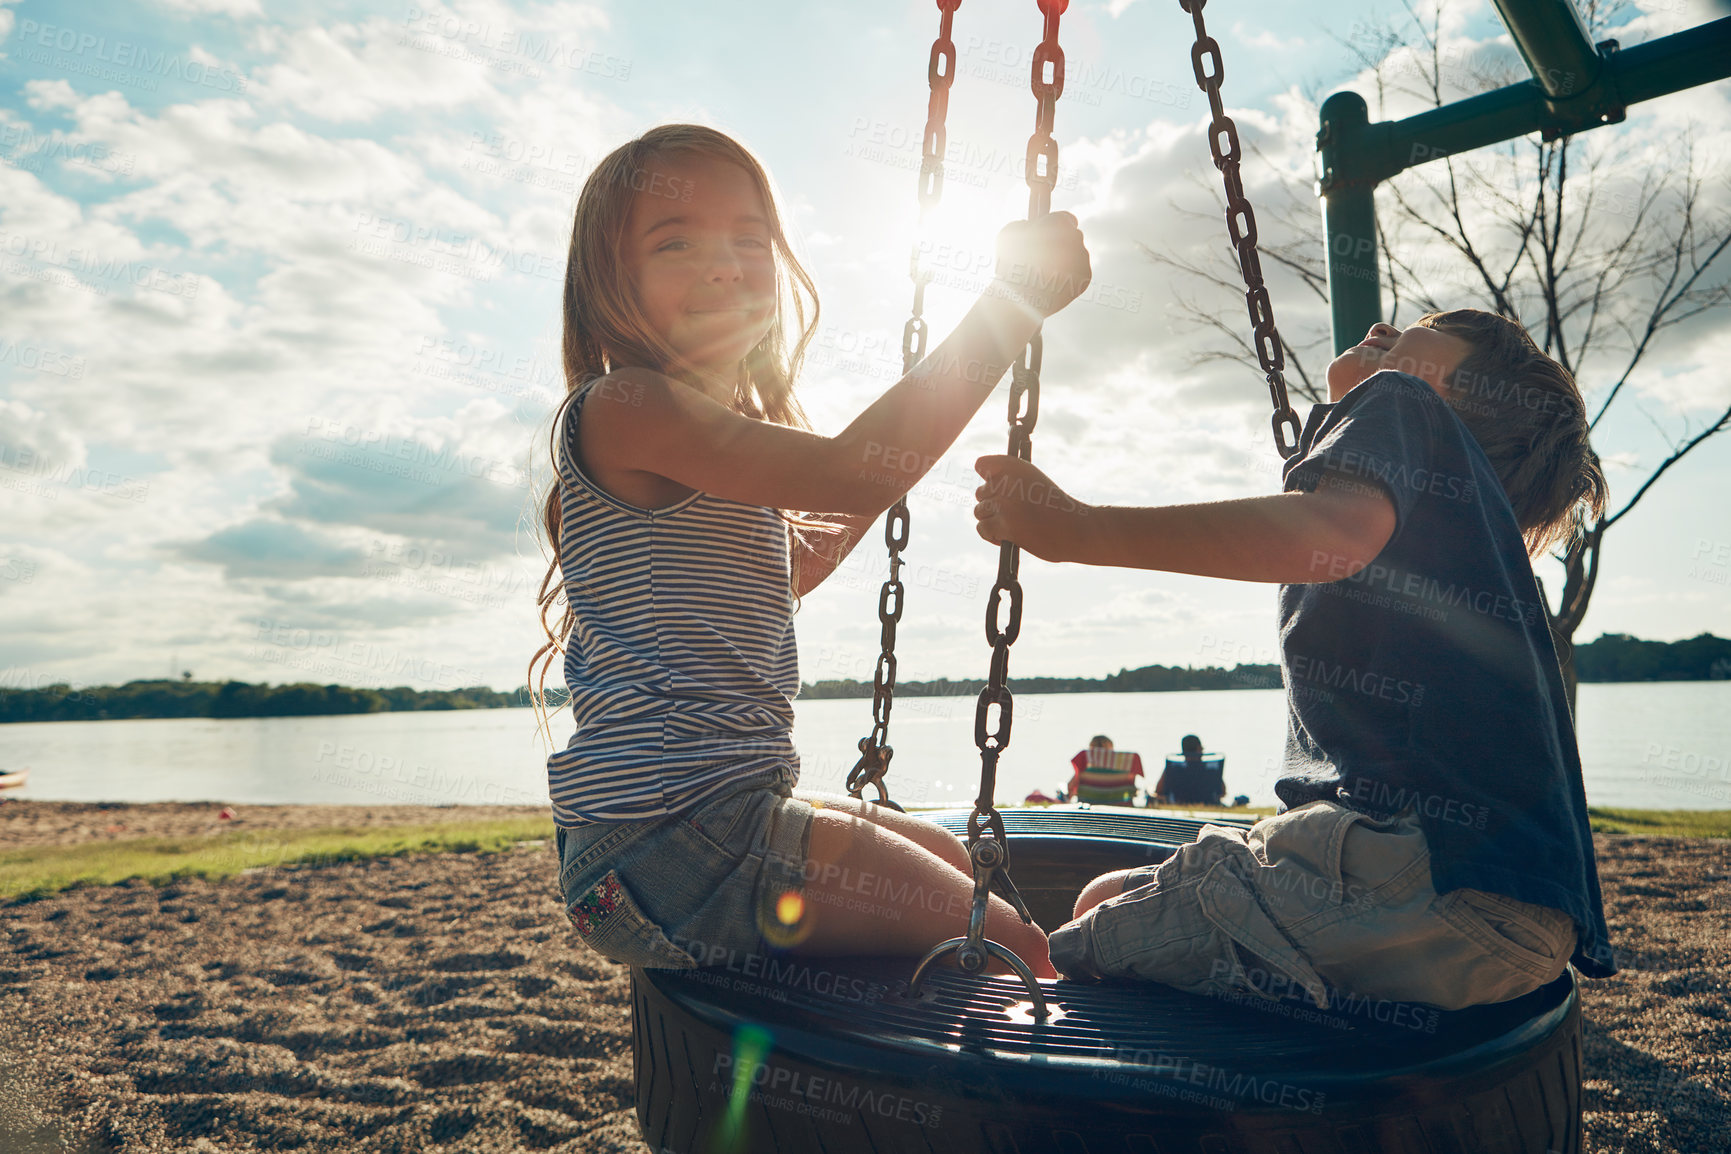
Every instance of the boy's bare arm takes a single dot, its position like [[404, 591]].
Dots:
[[1291, 538]]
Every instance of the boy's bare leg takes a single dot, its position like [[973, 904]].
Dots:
[[870, 890], [1103, 887]]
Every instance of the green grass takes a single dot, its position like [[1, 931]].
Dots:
[[1663, 822], [43, 870], [1227, 810]]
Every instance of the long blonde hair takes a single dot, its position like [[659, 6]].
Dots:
[[605, 327]]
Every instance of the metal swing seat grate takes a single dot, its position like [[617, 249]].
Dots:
[[834, 1055]]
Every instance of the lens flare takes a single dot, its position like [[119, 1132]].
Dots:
[[781, 917], [751, 1045]]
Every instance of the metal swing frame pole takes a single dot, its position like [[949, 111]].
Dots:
[[1575, 86]]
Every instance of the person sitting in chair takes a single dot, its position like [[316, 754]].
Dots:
[[1103, 775], [1192, 779]]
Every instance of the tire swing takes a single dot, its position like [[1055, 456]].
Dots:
[[794, 1055]]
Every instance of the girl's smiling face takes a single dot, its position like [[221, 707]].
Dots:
[[1427, 353], [699, 251]]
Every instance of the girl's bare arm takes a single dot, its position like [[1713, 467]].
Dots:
[[822, 551], [673, 430]]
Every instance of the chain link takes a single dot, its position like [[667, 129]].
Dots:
[[1003, 625], [1223, 143], [1042, 154], [875, 750]]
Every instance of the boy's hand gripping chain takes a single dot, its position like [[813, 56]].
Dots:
[[991, 854], [1241, 228], [875, 750]]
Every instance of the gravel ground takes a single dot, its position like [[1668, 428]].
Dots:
[[34, 823], [440, 1003]]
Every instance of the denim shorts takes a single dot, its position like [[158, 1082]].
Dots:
[[1319, 900], [682, 891]]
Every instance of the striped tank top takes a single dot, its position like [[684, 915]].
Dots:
[[681, 663]]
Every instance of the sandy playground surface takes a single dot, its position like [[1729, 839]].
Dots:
[[440, 1003]]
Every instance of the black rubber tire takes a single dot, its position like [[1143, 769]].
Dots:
[[838, 1060]]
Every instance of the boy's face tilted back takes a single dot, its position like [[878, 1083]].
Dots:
[[1428, 354], [699, 251]]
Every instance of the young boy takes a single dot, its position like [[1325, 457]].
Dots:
[[1433, 844]]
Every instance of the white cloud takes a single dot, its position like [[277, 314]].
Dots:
[[274, 549], [352, 72], [31, 442], [231, 8], [429, 57], [1263, 37], [314, 254], [1692, 380], [316, 246]]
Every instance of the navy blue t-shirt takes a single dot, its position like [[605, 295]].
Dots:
[[1429, 678]]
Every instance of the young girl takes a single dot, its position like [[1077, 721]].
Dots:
[[683, 465]]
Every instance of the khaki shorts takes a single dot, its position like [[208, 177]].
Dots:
[[1319, 898]]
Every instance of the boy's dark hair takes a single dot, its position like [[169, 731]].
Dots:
[[1191, 743], [1528, 416]]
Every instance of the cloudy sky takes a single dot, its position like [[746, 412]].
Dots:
[[279, 314]]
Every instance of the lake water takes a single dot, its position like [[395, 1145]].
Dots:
[[1660, 746]]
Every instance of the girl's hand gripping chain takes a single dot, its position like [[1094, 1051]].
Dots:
[[1041, 264]]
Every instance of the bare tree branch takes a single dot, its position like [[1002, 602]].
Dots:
[[1677, 454], [1668, 300], [1600, 265]]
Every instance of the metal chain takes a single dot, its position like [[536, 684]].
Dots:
[[988, 844], [1024, 413], [875, 750], [1210, 70]]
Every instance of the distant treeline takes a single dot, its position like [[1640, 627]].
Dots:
[[235, 699], [1620, 657], [1148, 679], [1613, 657]]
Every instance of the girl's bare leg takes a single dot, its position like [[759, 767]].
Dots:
[[917, 830], [870, 890]]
